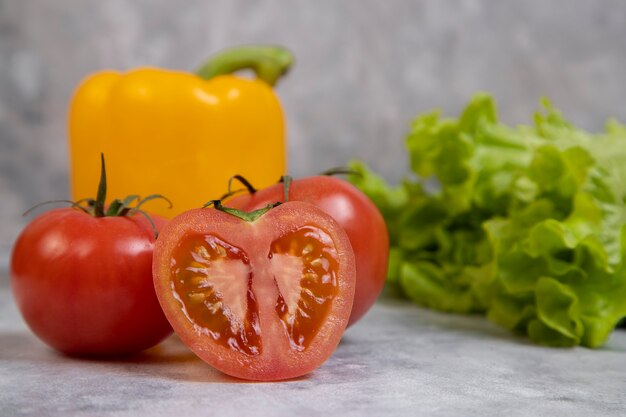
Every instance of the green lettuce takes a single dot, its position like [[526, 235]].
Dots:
[[524, 224]]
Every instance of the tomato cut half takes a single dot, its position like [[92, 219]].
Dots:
[[264, 299]]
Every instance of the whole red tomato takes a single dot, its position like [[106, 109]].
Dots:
[[262, 296], [84, 284], [356, 214], [82, 276]]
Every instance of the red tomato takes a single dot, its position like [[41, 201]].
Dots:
[[266, 299], [358, 216], [84, 284]]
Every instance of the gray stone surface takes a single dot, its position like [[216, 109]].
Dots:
[[364, 69], [398, 361]]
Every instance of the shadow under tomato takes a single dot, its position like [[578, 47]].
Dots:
[[191, 368], [170, 360], [173, 360], [159, 354]]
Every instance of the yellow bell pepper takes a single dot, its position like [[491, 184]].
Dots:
[[180, 134]]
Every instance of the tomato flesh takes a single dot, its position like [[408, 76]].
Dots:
[[213, 281], [266, 299], [304, 303]]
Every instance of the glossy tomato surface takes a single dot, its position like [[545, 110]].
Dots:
[[264, 300], [356, 214], [84, 284]]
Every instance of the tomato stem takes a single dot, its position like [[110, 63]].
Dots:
[[117, 207], [72, 203], [243, 181], [248, 216], [286, 181], [98, 208], [340, 171], [247, 184], [153, 197], [147, 216]]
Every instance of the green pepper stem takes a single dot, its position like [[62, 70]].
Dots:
[[269, 63]]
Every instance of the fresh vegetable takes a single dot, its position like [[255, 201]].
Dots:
[[178, 132], [354, 212], [82, 277], [524, 224], [264, 295]]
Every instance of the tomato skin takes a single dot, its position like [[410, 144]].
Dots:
[[277, 361], [84, 284], [356, 214]]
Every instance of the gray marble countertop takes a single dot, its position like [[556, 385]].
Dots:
[[399, 360]]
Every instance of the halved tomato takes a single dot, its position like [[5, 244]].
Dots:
[[264, 297]]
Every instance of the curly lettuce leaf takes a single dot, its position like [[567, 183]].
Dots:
[[526, 224]]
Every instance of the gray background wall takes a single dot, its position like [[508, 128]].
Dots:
[[364, 69]]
